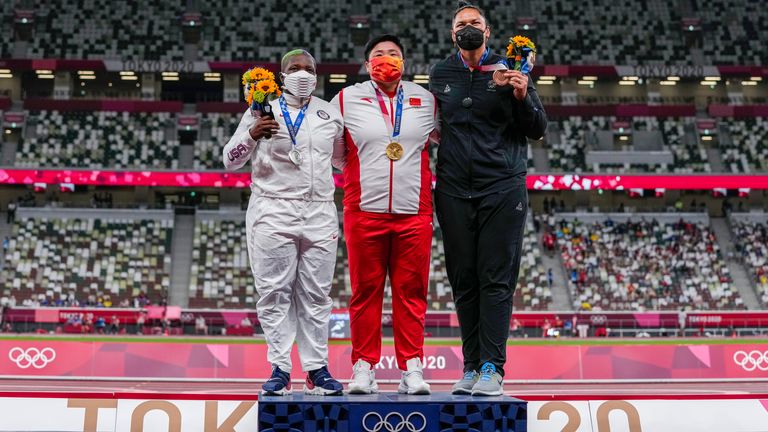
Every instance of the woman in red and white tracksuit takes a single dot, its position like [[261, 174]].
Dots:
[[387, 212]]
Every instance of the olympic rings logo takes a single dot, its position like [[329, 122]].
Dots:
[[33, 357], [394, 422], [752, 360], [598, 319]]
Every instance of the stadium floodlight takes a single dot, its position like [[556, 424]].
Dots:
[[6, 75], [45, 76], [708, 83], [85, 72], [170, 74], [623, 138], [754, 78], [706, 138], [673, 78], [212, 74], [5, 71], [626, 83], [344, 76], [549, 78], [127, 73], [589, 78], [585, 82], [712, 78], [544, 82], [129, 78], [668, 83], [86, 77], [749, 83], [170, 78], [631, 78], [211, 78], [44, 71]]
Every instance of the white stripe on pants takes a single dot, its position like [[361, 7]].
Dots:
[[292, 249]]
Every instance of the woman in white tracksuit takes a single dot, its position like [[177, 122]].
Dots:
[[292, 224]]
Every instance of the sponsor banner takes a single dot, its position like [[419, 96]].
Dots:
[[219, 179], [136, 415], [526, 362], [118, 415], [668, 320], [648, 415]]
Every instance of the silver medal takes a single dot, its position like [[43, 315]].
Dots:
[[295, 157]]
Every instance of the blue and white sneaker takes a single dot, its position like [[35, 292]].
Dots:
[[489, 383], [321, 383], [278, 384], [465, 384]]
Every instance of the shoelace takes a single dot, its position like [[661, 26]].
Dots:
[[486, 373], [468, 376]]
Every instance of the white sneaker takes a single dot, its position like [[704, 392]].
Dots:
[[363, 379], [412, 381]]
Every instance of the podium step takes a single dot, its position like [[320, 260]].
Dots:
[[391, 412]]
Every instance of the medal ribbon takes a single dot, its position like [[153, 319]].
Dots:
[[480, 66], [293, 128], [394, 131]]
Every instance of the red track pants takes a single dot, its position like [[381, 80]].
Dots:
[[377, 244]]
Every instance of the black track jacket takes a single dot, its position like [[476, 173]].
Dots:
[[483, 149]]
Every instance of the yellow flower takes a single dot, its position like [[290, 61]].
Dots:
[[257, 74], [521, 41], [266, 86]]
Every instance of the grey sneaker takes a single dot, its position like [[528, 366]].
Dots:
[[489, 383], [464, 386]]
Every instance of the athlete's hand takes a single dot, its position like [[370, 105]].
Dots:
[[264, 127], [518, 81]]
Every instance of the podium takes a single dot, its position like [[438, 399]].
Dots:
[[391, 412]]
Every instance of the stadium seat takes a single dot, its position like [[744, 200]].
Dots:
[[752, 242], [98, 139], [208, 153], [102, 29], [643, 265], [49, 259]]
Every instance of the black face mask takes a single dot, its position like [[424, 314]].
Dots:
[[470, 38]]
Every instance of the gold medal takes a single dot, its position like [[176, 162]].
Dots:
[[394, 151]]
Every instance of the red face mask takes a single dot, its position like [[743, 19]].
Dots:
[[386, 69]]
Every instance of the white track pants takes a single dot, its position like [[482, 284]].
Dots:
[[292, 249]]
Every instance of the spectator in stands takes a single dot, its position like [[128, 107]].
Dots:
[[11, 212], [387, 212], [246, 322], [114, 325], [140, 323], [292, 222], [101, 324], [200, 326], [480, 196]]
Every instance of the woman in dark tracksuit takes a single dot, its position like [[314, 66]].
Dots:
[[480, 196]]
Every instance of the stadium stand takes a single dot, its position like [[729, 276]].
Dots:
[[221, 273], [643, 264], [748, 149], [101, 29], [99, 139], [6, 29], [593, 32], [208, 152], [577, 135], [52, 258], [734, 24], [752, 242], [237, 31]]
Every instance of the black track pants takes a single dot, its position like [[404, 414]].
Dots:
[[483, 242]]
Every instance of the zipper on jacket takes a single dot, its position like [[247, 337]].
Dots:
[[469, 115], [311, 164], [391, 162]]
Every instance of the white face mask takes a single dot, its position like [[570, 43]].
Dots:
[[300, 84]]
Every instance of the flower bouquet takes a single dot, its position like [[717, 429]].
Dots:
[[521, 54], [259, 88]]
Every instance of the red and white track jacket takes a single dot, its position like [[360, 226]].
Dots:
[[373, 182]]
